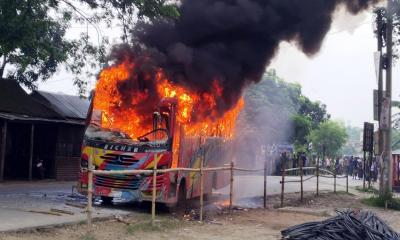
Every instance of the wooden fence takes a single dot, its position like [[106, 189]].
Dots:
[[231, 168], [317, 171]]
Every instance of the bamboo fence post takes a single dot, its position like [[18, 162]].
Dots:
[[301, 179], [153, 201], [283, 165], [265, 183], [347, 180], [202, 186], [90, 192], [334, 180], [231, 188], [317, 176]]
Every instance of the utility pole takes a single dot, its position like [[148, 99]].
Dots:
[[386, 174], [379, 19]]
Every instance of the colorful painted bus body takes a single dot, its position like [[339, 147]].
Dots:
[[176, 150]]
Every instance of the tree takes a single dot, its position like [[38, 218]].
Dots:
[[33, 42], [314, 110], [302, 126], [328, 138], [127, 11]]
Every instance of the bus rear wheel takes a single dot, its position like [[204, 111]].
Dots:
[[182, 193]]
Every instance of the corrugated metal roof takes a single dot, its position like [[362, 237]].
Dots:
[[14, 100], [26, 118], [68, 106]]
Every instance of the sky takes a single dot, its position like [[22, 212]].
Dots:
[[342, 75]]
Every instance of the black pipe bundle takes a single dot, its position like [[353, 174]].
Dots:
[[349, 225]]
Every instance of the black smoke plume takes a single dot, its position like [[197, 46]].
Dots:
[[232, 41]]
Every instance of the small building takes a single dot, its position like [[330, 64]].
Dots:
[[40, 126]]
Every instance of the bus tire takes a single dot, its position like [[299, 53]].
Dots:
[[182, 192], [106, 200]]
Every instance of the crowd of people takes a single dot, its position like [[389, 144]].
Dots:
[[353, 166]]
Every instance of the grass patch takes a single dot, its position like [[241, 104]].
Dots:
[[376, 201], [88, 236], [161, 225], [367, 190]]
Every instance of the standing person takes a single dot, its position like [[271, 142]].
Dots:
[[337, 166], [373, 170], [355, 169], [40, 169], [303, 159], [350, 166], [360, 170]]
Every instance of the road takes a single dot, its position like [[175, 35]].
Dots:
[[18, 199], [249, 186]]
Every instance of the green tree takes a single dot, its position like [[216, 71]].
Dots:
[[302, 126], [127, 12], [328, 138], [314, 110], [33, 42]]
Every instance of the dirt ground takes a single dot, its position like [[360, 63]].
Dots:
[[241, 223]]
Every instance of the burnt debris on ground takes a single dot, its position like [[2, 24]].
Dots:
[[351, 225]]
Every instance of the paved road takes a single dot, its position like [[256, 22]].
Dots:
[[249, 186], [17, 199]]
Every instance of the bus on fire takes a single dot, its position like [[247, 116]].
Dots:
[[112, 149]]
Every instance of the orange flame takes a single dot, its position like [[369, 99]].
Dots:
[[196, 112]]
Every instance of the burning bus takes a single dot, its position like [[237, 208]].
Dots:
[[127, 137]]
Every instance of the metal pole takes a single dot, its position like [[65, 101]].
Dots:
[[301, 178], [369, 169], [3, 150], [386, 187], [380, 74], [364, 170], [153, 200], [231, 188], [31, 151], [265, 183], [90, 192], [202, 186]]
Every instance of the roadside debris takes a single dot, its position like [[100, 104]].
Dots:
[[77, 205], [119, 218], [43, 212], [62, 211], [346, 225]]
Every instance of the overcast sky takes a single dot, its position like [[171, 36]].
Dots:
[[341, 75]]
